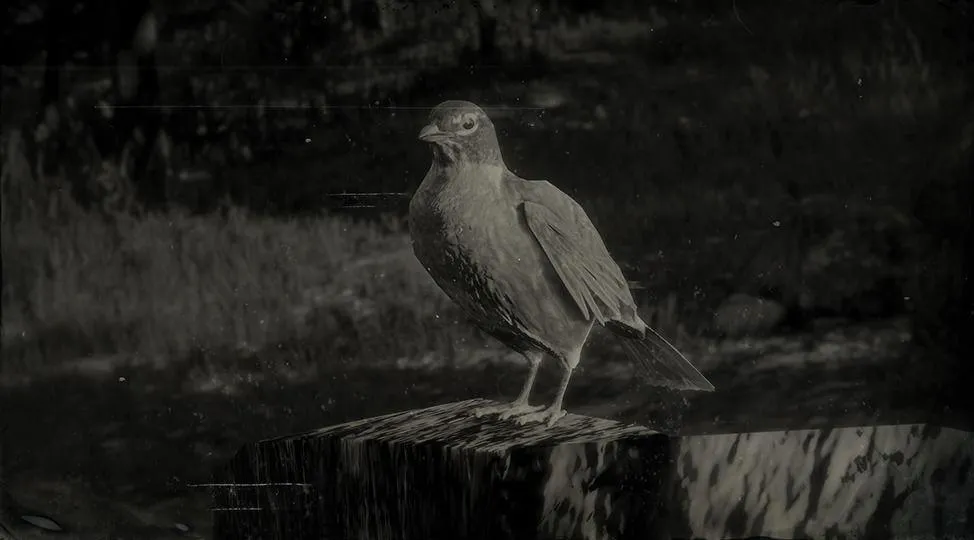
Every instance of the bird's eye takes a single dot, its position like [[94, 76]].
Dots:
[[468, 124]]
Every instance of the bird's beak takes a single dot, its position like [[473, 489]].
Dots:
[[431, 133]]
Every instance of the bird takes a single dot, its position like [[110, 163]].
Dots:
[[524, 262]]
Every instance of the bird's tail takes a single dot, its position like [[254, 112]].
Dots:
[[661, 364]]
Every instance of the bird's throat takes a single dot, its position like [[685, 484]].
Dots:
[[462, 181], [445, 155], [449, 152]]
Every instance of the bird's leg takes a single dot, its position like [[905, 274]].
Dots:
[[553, 412], [520, 404]]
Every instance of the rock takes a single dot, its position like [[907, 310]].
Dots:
[[744, 315], [852, 274]]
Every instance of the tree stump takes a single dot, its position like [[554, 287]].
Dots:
[[441, 472]]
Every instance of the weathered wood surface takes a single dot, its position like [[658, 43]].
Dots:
[[895, 481], [443, 473]]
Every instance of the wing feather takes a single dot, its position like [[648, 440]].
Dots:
[[597, 285], [578, 254]]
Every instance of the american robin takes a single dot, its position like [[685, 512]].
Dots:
[[524, 262]]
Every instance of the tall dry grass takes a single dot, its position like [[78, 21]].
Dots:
[[80, 283]]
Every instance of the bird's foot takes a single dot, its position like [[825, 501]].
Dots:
[[489, 410], [505, 410], [549, 416], [518, 409]]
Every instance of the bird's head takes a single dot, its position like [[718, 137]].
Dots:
[[461, 132]]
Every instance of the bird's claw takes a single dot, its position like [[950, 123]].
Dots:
[[506, 411], [487, 411], [546, 416], [518, 410]]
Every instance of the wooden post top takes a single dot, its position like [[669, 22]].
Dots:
[[454, 424]]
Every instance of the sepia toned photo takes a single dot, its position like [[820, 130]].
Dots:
[[486, 269]]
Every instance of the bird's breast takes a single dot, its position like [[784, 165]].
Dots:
[[454, 233], [453, 213], [473, 244]]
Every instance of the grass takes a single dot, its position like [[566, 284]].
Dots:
[[307, 291], [166, 285], [83, 283]]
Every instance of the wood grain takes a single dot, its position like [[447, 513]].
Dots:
[[443, 473]]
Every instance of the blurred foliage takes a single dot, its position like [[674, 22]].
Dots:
[[247, 80], [792, 142]]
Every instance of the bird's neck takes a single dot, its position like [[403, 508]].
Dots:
[[464, 178], [448, 158]]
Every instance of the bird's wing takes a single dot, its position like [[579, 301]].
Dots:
[[577, 252], [597, 285]]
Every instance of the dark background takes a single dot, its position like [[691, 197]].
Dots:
[[787, 185]]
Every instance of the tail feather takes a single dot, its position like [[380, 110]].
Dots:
[[661, 364]]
